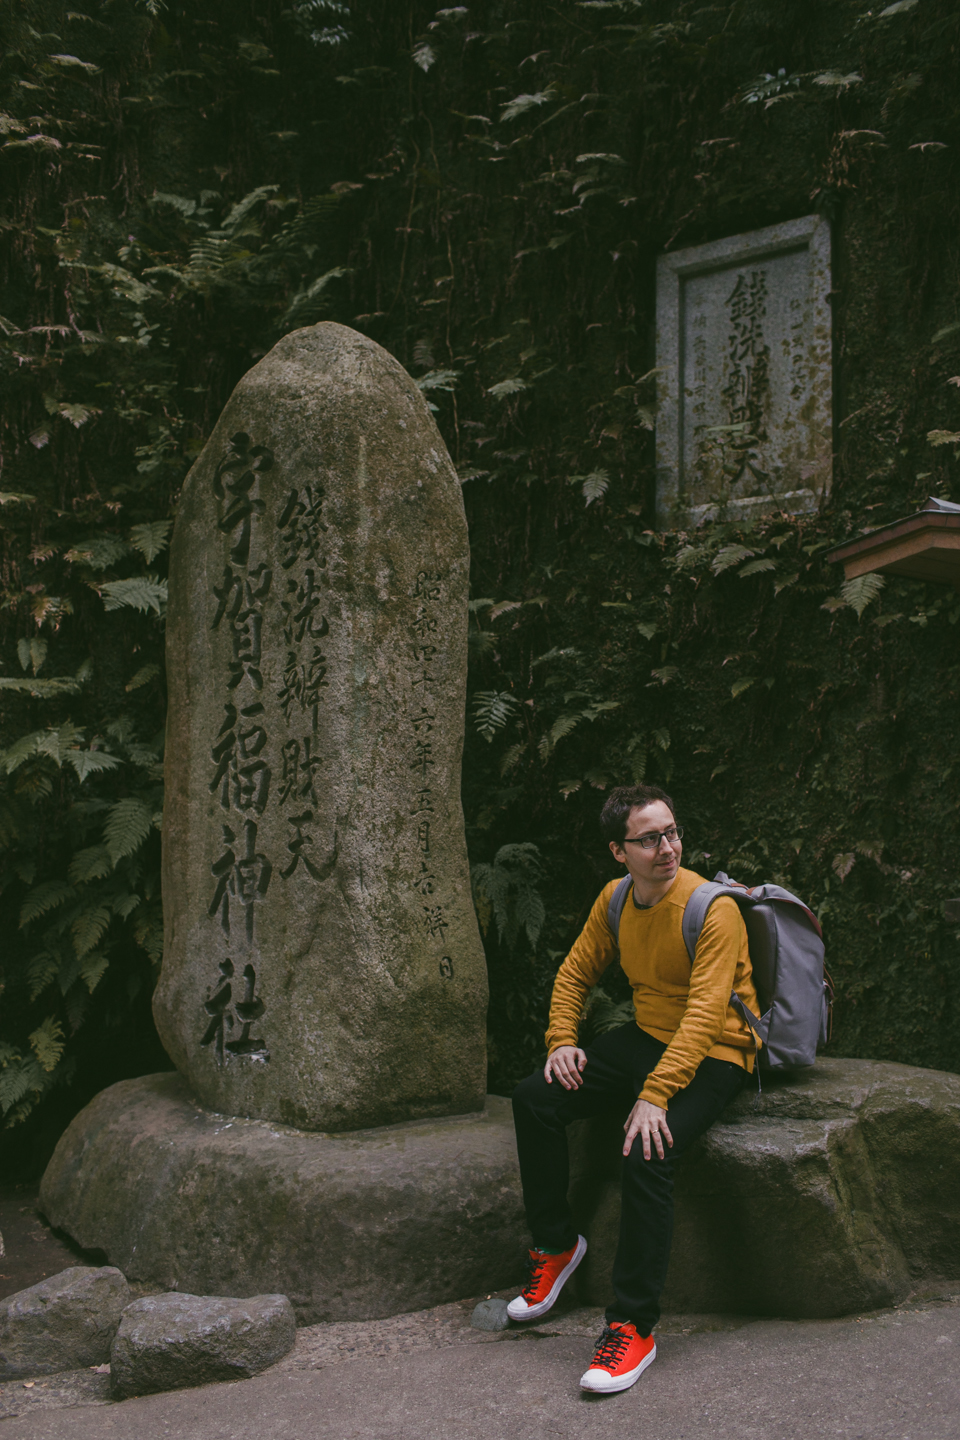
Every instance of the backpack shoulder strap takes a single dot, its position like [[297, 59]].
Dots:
[[615, 908], [695, 912]]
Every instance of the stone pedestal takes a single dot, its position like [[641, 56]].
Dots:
[[840, 1192], [349, 1226]]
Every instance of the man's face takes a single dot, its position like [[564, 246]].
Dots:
[[649, 867]]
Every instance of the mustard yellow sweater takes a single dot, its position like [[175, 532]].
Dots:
[[685, 1006]]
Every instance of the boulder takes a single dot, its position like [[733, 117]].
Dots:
[[350, 1227], [322, 963], [170, 1342], [65, 1323], [837, 1191]]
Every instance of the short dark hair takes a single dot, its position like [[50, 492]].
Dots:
[[619, 803]]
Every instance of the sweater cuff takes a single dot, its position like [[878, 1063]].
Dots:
[[655, 1093]]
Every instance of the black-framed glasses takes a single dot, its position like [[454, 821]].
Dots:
[[652, 841]]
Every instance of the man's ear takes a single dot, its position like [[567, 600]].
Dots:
[[618, 853]]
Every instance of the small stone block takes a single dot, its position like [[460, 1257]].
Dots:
[[65, 1323], [171, 1342], [490, 1315]]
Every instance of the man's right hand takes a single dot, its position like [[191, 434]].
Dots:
[[566, 1062]]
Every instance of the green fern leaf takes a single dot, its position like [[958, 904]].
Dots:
[[729, 555], [143, 592], [530, 913], [520, 104], [128, 825], [148, 932], [44, 898], [48, 1042], [17, 1078], [562, 727], [91, 762], [757, 567], [143, 676], [492, 710], [595, 485], [438, 380], [93, 969], [98, 553], [859, 592], [94, 863], [150, 538], [511, 386], [124, 904], [42, 970], [89, 928]]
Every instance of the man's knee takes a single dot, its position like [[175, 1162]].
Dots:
[[653, 1174], [532, 1092]]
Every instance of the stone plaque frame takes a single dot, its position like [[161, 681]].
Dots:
[[775, 283]]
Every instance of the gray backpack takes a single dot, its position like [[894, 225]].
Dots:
[[786, 952]]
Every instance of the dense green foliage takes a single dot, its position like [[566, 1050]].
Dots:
[[484, 190]]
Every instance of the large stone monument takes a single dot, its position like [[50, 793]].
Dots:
[[745, 375], [322, 963], [323, 991]]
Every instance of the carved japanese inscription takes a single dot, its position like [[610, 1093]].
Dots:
[[744, 414], [322, 965]]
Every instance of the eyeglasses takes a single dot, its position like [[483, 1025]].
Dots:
[[652, 841]]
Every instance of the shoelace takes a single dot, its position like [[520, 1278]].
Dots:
[[611, 1348], [535, 1265]]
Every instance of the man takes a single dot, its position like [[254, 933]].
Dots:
[[674, 1068]]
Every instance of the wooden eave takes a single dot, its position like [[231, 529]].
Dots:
[[924, 546]]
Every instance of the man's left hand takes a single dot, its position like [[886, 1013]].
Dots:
[[650, 1122]]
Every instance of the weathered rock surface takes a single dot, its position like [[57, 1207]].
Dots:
[[350, 1227], [839, 1192], [169, 1342], [66, 1322], [490, 1315], [322, 963]]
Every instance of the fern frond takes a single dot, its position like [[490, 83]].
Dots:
[[47, 1042], [861, 591], [142, 677], [94, 863], [93, 969], [17, 1078], [42, 970], [492, 710], [44, 898], [89, 928], [151, 538], [128, 825], [728, 556], [90, 762], [142, 592]]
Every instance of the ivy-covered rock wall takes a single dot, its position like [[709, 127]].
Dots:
[[484, 189]]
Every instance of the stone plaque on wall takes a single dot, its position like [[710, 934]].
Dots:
[[744, 414], [322, 963]]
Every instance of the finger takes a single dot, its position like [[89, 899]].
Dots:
[[666, 1131], [658, 1143], [581, 1060], [645, 1132], [631, 1129]]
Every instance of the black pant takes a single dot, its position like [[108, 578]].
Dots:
[[617, 1066]]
